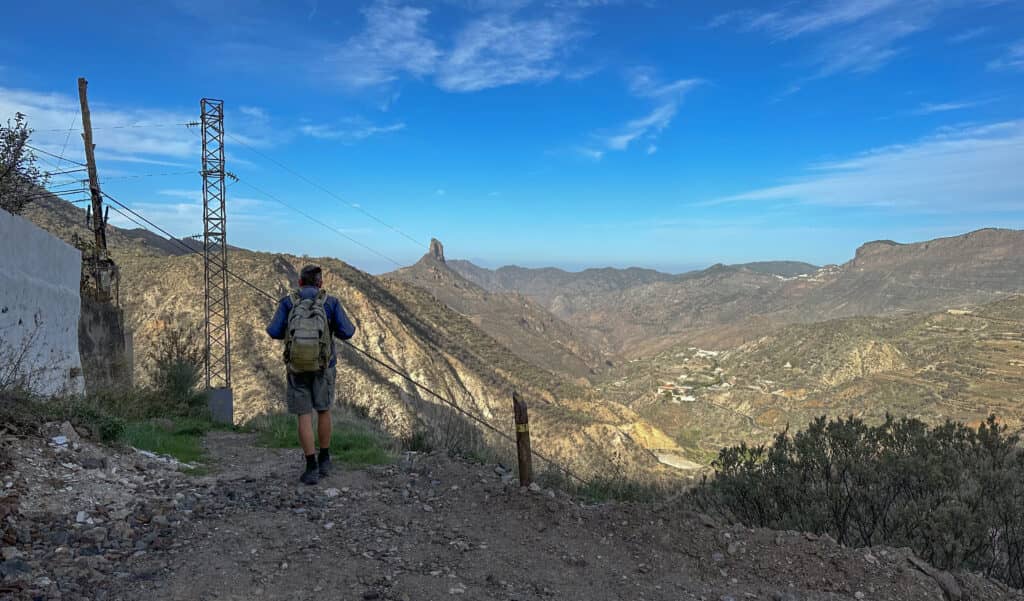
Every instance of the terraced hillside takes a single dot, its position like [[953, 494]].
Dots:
[[962, 364]]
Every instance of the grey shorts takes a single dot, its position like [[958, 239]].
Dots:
[[312, 391]]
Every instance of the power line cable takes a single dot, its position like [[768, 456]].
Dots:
[[235, 180], [317, 221], [122, 177], [68, 137], [395, 370], [326, 191], [129, 126], [56, 156]]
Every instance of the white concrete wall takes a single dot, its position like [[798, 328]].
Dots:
[[39, 307]]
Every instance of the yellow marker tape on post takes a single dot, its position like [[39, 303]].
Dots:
[[522, 427]]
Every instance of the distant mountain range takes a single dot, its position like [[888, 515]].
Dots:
[[929, 329], [639, 311]]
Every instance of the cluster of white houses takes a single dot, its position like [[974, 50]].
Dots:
[[679, 394]]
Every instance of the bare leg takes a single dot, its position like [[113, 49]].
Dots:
[[323, 429], [306, 434]]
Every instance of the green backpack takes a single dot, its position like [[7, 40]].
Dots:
[[307, 341]]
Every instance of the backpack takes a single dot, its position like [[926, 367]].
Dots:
[[307, 340]]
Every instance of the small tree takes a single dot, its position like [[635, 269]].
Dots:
[[20, 178], [177, 362]]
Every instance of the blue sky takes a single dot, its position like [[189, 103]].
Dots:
[[565, 132]]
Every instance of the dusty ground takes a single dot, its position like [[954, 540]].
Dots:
[[426, 528]]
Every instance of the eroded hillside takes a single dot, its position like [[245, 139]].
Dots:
[[962, 364], [402, 325], [520, 324]]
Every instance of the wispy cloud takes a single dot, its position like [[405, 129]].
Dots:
[[965, 168], [136, 135], [254, 112], [667, 97], [496, 47], [349, 131], [394, 42], [928, 108], [1012, 59], [855, 36], [499, 50], [968, 35]]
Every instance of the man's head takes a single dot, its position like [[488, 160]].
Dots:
[[311, 275]]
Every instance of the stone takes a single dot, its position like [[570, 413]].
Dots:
[[534, 487], [437, 249], [69, 432], [10, 553], [332, 492], [14, 568], [93, 463], [81, 517]]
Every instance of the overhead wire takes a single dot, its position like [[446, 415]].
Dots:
[[318, 221], [385, 365], [56, 156], [325, 190]]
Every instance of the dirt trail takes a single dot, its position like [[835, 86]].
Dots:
[[429, 528]]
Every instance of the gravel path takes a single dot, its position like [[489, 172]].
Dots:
[[426, 528]]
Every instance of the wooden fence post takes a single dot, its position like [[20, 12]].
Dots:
[[522, 420]]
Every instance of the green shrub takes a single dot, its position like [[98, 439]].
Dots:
[[176, 360], [953, 494]]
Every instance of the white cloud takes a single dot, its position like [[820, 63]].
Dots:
[[652, 149], [855, 36], [121, 134], [349, 131], [394, 42], [498, 50], [928, 108], [133, 135], [254, 112], [667, 97], [1012, 59], [440, 192], [957, 169], [970, 34]]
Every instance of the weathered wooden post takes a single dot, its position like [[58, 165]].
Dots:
[[522, 420]]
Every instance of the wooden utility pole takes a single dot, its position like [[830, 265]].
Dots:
[[98, 223], [522, 420]]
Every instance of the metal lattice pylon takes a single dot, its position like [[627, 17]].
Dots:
[[215, 250]]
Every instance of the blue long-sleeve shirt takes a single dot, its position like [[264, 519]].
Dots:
[[338, 321]]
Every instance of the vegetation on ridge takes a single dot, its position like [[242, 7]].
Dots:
[[953, 494]]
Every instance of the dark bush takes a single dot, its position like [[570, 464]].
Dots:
[[176, 360], [953, 494]]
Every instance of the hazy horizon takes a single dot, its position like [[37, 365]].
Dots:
[[538, 132]]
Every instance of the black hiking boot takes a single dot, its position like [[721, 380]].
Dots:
[[310, 476], [325, 467]]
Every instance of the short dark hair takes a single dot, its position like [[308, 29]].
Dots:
[[311, 275]]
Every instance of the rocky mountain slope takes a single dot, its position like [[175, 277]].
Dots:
[[96, 524], [961, 364], [400, 324], [641, 312], [517, 322]]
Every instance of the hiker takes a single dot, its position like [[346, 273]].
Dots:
[[307, 320]]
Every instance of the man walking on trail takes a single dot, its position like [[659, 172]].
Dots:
[[308, 320]]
